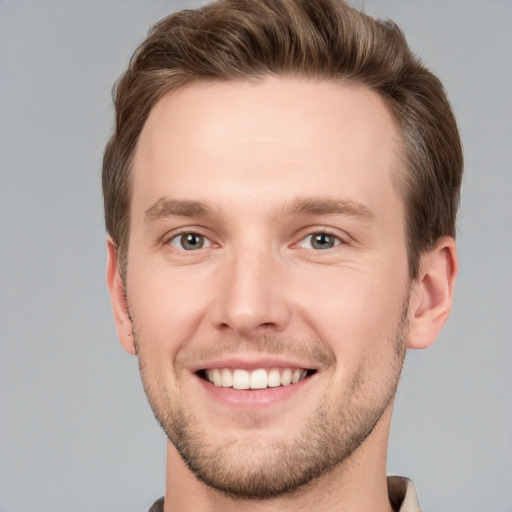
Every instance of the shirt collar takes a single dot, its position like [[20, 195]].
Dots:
[[402, 494], [401, 491]]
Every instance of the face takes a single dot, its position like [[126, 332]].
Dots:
[[267, 277]]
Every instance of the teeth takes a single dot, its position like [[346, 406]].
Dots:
[[240, 379], [273, 378], [217, 378], [286, 377], [257, 379], [296, 376], [227, 378]]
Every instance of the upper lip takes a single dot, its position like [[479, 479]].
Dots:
[[246, 363]]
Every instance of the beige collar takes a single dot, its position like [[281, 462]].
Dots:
[[402, 494]]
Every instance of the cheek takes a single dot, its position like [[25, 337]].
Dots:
[[353, 311], [166, 304]]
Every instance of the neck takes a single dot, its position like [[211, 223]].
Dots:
[[357, 484]]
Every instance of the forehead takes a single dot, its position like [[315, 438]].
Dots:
[[267, 141]]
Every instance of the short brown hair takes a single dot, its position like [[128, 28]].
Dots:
[[318, 39]]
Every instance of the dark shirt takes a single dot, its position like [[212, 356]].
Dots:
[[158, 506]]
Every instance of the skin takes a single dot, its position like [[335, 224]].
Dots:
[[255, 169]]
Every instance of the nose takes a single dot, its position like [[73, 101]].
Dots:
[[251, 295]]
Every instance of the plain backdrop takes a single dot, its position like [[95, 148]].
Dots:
[[76, 432]]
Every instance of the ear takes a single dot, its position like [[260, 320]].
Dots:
[[432, 294], [118, 300]]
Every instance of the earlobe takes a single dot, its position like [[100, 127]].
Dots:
[[432, 294], [118, 300]]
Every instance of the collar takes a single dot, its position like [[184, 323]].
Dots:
[[402, 494], [401, 491]]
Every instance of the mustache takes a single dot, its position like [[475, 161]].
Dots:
[[312, 351]]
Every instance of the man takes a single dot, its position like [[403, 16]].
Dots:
[[280, 197]]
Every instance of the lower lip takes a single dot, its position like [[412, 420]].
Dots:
[[253, 397]]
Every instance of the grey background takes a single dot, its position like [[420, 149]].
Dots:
[[76, 432]]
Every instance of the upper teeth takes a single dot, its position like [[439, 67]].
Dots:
[[256, 379]]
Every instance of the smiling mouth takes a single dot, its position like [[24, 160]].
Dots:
[[260, 378]]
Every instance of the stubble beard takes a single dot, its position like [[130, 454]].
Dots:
[[327, 439]]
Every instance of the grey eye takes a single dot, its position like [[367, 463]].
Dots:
[[189, 241], [322, 241]]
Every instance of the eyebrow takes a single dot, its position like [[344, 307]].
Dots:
[[166, 207], [328, 206]]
